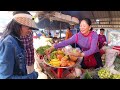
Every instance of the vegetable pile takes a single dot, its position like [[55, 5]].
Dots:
[[105, 73], [41, 50]]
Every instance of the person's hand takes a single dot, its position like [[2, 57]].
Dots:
[[105, 43], [77, 54], [48, 51]]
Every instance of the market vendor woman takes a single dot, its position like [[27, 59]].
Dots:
[[87, 40]]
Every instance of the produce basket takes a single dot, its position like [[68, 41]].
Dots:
[[46, 61], [61, 72]]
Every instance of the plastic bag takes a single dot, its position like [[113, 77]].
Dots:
[[117, 63], [78, 72], [112, 70], [42, 75], [67, 49], [37, 62], [110, 57]]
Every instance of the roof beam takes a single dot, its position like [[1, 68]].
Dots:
[[105, 24], [111, 21], [93, 16]]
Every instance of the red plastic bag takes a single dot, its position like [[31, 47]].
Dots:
[[116, 48], [90, 61]]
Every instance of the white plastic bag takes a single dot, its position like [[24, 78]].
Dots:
[[78, 72], [37, 67], [42, 75], [110, 57], [113, 71]]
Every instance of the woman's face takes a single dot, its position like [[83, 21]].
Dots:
[[25, 30], [101, 32], [84, 27]]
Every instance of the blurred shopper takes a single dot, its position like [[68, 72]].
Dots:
[[68, 33], [12, 50], [87, 40], [50, 35], [101, 39]]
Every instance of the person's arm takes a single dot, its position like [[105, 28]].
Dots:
[[93, 46], [7, 61], [61, 44], [105, 42], [66, 42]]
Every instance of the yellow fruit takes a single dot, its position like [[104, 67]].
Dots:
[[54, 59], [60, 52]]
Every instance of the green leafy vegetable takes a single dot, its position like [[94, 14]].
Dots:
[[41, 50]]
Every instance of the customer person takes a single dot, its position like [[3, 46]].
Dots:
[[12, 53], [87, 40], [27, 41], [102, 39], [68, 33]]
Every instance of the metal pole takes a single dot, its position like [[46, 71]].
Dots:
[[60, 30]]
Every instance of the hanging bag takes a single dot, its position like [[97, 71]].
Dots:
[[89, 61]]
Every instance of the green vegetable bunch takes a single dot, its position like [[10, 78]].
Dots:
[[87, 75], [103, 73], [41, 50], [53, 55], [115, 76]]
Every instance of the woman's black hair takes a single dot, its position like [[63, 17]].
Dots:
[[13, 28], [88, 21], [102, 29], [68, 27], [91, 29]]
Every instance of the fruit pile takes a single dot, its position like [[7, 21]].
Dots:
[[59, 59]]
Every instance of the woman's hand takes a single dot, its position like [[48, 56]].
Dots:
[[78, 54], [105, 43], [48, 51]]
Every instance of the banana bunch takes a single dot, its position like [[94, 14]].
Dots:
[[115, 76], [103, 73], [55, 62]]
